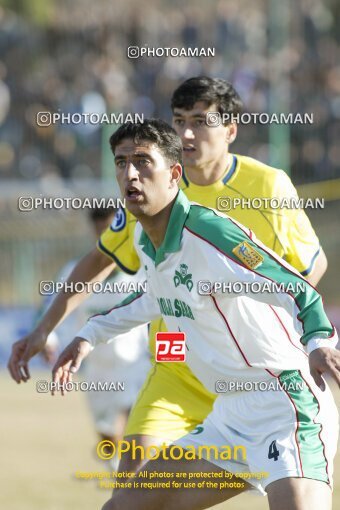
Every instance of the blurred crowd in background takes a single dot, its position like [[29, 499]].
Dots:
[[71, 56]]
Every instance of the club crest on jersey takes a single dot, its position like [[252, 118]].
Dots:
[[249, 256], [182, 277], [119, 220]]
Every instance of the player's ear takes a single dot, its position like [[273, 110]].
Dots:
[[175, 174], [231, 132]]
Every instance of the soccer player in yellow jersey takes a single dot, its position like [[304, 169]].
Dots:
[[172, 401]]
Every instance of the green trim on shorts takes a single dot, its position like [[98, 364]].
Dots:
[[311, 448]]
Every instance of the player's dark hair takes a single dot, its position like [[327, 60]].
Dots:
[[152, 130], [101, 213], [211, 91]]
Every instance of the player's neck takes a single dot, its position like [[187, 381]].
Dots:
[[209, 172], [155, 226]]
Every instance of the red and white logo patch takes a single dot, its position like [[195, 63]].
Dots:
[[170, 346]]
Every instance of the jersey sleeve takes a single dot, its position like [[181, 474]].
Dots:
[[239, 257], [256, 262], [302, 245], [117, 242], [137, 309]]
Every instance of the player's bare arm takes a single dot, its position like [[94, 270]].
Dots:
[[95, 266], [69, 361], [319, 269]]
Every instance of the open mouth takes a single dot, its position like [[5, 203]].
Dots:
[[189, 148], [133, 193]]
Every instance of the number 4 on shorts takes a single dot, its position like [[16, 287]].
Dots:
[[273, 452]]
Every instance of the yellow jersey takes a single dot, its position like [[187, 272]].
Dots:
[[286, 231]]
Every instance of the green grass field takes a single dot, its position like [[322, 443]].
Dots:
[[45, 440]]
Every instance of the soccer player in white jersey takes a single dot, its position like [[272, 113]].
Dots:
[[176, 401], [243, 337]]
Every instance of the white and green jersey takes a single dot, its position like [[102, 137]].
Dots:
[[233, 331]]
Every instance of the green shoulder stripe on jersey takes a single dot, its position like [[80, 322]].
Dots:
[[311, 448], [226, 235]]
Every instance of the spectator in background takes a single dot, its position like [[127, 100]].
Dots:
[[73, 61]]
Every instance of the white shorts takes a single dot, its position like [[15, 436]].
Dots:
[[291, 432]]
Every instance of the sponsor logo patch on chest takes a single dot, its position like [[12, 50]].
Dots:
[[248, 255], [170, 346]]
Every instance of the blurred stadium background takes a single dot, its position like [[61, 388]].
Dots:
[[71, 56]]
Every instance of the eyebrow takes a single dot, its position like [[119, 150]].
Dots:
[[136, 154], [195, 116], [122, 157]]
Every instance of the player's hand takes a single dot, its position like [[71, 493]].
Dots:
[[324, 361], [22, 351], [69, 362]]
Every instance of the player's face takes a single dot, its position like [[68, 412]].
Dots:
[[147, 180], [202, 144]]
